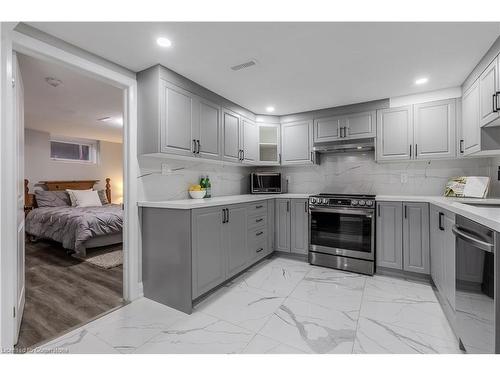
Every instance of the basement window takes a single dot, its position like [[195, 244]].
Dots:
[[74, 150]]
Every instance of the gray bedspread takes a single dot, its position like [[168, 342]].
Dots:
[[72, 226]]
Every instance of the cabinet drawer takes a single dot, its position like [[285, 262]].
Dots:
[[258, 249], [257, 221], [258, 208], [257, 234]]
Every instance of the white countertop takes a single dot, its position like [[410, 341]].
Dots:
[[188, 204], [488, 216]]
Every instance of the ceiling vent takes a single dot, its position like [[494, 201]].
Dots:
[[245, 65]]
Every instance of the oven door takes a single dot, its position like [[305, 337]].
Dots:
[[342, 231]]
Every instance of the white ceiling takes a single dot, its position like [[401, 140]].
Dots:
[[72, 108], [301, 66]]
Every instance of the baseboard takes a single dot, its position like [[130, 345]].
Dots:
[[290, 255], [407, 275]]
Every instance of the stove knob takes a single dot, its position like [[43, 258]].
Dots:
[[369, 203], [324, 201], [313, 200], [361, 202], [354, 202]]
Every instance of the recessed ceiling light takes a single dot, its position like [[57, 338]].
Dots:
[[270, 109], [421, 81], [163, 42]]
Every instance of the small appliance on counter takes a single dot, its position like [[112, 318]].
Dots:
[[342, 232], [265, 183]]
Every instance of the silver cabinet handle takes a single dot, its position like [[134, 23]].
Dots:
[[259, 220], [495, 108], [223, 216], [497, 105], [486, 246], [461, 146], [199, 146], [194, 146], [259, 206], [259, 233], [287, 206], [416, 151], [305, 206], [259, 250]]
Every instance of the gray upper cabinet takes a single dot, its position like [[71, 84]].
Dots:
[[296, 142], [360, 125], [299, 223], [327, 129], [209, 133], [471, 129], [235, 235], [232, 136], [177, 112], [351, 126], [282, 226], [488, 86], [416, 237], [389, 235], [208, 254], [250, 141], [395, 133], [435, 129]]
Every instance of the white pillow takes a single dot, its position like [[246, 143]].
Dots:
[[86, 198], [72, 196]]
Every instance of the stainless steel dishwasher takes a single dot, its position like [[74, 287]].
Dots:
[[476, 287]]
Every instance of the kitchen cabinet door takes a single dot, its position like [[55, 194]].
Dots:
[[471, 129], [327, 129], [435, 130], [235, 237], [361, 125], [296, 143], [176, 124], [416, 237], [448, 254], [282, 226], [389, 252], [209, 259], [488, 86], [395, 133], [250, 141], [436, 247], [209, 130], [231, 132], [299, 224]]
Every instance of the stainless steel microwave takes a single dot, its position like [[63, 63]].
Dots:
[[265, 183]]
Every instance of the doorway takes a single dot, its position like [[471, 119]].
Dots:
[[91, 66]]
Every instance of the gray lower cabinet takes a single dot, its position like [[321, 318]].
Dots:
[[282, 227], [235, 232], [296, 142], [442, 253], [389, 233], [292, 226], [208, 249], [299, 223], [416, 237], [403, 236]]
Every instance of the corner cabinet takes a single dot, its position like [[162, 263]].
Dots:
[[296, 143], [292, 226], [488, 89], [403, 236], [471, 128]]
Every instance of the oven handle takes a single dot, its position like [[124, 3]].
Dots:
[[486, 246], [361, 212]]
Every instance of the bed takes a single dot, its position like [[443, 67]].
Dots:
[[76, 228]]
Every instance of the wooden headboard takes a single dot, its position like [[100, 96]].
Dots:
[[30, 201]]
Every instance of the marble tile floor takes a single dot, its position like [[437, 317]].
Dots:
[[280, 306]]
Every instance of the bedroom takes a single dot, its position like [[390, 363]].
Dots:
[[73, 246]]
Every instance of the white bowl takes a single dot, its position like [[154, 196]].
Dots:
[[197, 194]]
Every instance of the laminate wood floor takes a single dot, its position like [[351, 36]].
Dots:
[[63, 292]]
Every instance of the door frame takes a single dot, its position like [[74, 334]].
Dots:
[[14, 41]]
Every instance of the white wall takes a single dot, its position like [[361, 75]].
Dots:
[[359, 173], [225, 179], [38, 165]]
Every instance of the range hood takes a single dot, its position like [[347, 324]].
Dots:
[[347, 145]]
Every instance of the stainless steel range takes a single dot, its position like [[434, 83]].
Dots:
[[342, 232]]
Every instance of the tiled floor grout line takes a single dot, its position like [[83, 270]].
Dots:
[[359, 315]]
